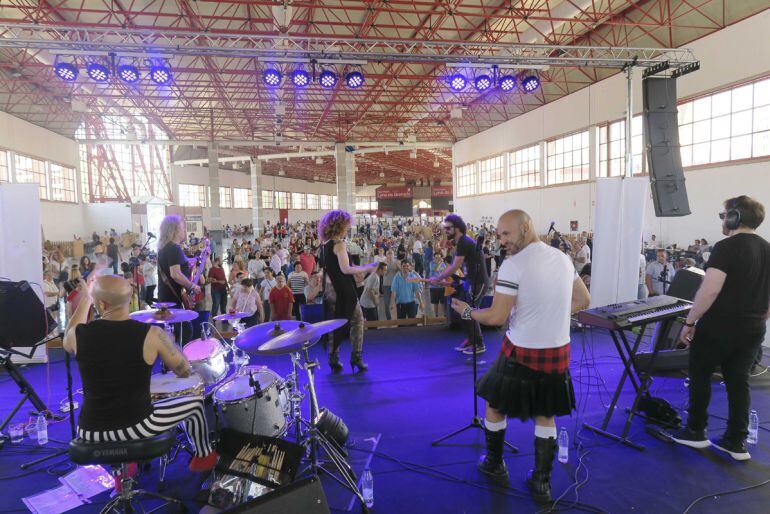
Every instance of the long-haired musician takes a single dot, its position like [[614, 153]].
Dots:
[[173, 268]]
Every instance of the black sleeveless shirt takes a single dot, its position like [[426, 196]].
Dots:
[[344, 285], [116, 379]]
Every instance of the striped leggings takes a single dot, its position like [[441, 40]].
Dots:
[[166, 414]]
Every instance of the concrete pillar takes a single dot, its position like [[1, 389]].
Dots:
[[257, 214], [215, 225], [346, 179]]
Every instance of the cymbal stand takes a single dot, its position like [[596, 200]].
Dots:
[[295, 397], [240, 358], [315, 440]]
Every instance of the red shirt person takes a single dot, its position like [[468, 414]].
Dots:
[[281, 300], [307, 260]]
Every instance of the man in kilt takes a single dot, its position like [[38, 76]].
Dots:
[[536, 290]]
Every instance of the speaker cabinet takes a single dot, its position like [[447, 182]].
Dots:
[[661, 132], [303, 496]]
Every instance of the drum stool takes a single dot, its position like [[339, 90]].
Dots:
[[120, 454]]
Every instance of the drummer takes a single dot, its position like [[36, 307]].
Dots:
[[115, 356]]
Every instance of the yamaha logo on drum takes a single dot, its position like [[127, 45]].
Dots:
[[117, 452]]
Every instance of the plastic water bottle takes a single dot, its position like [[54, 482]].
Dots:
[[367, 488], [563, 445], [42, 430], [753, 428]]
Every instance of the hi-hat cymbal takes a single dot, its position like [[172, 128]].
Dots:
[[232, 316], [163, 305], [163, 316], [304, 336], [252, 338]]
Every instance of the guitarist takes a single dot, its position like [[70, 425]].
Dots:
[[173, 268]]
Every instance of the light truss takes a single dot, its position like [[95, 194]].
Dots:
[[62, 38]]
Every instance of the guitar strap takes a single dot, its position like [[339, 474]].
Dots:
[[168, 283]]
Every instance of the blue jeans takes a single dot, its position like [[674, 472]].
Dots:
[[218, 302]]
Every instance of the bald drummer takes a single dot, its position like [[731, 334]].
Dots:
[[115, 356]]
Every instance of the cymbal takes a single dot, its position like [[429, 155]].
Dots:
[[250, 339], [163, 305], [163, 316], [305, 336], [234, 315]]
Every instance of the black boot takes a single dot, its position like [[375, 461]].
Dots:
[[492, 463], [357, 362], [334, 362], [539, 479]]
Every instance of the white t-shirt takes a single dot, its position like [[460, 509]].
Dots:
[[256, 268], [283, 254], [417, 246], [372, 283], [585, 253], [149, 270], [541, 277]]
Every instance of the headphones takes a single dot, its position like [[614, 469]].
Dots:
[[732, 219]]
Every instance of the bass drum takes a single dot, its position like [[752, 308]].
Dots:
[[260, 412]]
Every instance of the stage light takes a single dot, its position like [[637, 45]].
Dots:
[[161, 75], [128, 73], [328, 79], [332, 427], [457, 82], [482, 83], [530, 83], [354, 79], [300, 78], [271, 77], [98, 72], [66, 71], [507, 83]]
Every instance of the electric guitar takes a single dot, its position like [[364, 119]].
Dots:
[[189, 301]]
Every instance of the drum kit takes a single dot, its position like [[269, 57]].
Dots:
[[249, 398]]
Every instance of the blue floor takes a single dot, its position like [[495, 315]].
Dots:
[[418, 389]]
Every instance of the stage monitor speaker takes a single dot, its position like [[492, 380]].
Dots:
[[305, 496], [664, 160], [23, 318]]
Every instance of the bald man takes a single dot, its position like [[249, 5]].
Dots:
[[536, 290], [115, 357]]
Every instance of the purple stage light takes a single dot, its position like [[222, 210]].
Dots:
[[457, 82], [66, 71], [328, 79], [271, 77], [507, 83], [300, 78], [482, 83], [128, 73], [354, 79], [161, 75], [98, 72], [529, 84]]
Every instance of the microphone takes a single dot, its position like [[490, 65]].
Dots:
[[254, 384], [551, 228], [150, 235]]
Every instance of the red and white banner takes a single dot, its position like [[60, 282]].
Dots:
[[391, 193], [444, 191]]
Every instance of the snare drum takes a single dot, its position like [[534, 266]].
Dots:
[[167, 385], [207, 358], [260, 413]]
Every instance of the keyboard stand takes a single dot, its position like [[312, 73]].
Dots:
[[639, 380]]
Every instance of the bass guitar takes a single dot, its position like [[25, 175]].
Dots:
[[189, 301]]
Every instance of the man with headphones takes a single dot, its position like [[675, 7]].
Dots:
[[726, 326], [536, 291]]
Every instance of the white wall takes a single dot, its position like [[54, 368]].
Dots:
[[24, 137], [605, 101]]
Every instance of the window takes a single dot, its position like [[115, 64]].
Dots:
[[366, 203], [241, 198], [567, 159], [612, 148], [281, 200], [492, 174], [312, 201], [5, 175], [62, 182], [31, 171], [298, 201], [334, 202], [524, 167], [726, 126], [192, 195], [466, 180], [267, 199], [226, 197], [326, 202]]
